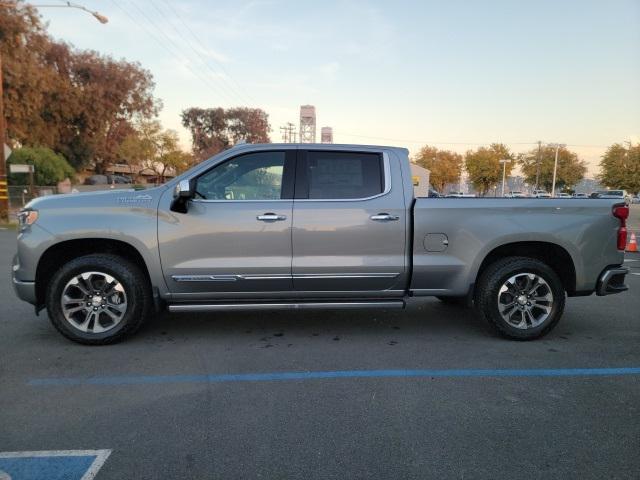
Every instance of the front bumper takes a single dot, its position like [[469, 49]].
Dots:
[[612, 281], [24, 290]]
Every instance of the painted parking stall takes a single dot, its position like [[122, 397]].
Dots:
[[52, 464]]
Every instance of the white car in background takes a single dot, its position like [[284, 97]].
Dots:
[[562, 195], [460, 195], [516, 195], [580, 195], [541, 194], [619, 194]]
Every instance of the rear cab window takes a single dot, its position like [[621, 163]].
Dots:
[[329, 175]]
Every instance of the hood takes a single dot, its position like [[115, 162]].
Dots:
[[100, 198]]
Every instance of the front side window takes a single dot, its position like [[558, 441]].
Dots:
[[254, 176], [343, 175]]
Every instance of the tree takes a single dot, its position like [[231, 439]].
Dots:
[[149, 146], [569, 172], [445, 166], [216, 129], [49, 167], [620, 167], [484, 167], [78, 103]]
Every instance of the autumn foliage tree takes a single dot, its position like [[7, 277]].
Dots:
[[620, 167], [150, 146], [569, 172], [216, 129], [445, 166], [79, 103], [484, 167]]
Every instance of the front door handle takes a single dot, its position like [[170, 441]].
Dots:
[[384, 217], [271, 217]]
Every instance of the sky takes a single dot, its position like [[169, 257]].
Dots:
[[454, 74]]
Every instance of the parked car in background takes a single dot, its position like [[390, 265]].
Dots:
[[242, 231], [580, 195], [516, 194], [107, 179], [434, 193], [541, 194], [562, 195], [460, 195], [635, 199], [614, 194]]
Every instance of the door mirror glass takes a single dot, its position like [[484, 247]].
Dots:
[[183, 190]]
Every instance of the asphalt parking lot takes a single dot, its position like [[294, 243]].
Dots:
[[172, 402]]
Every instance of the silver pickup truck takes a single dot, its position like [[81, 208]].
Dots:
[[309, 226]]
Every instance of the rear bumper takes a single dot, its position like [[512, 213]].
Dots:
[[612, 281]]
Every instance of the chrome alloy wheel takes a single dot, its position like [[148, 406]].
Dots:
[[525, 300], [93, 302]]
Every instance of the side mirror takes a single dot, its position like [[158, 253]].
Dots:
[[182, 193]]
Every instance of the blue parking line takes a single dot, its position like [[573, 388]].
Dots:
[[279, 376]]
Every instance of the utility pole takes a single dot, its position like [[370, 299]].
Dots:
[[555, 167], [4, 194], [288, 133], [538, 165], [504, 172]]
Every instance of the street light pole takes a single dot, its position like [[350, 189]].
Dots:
[[555, 167], [4, 193], [504, 172]]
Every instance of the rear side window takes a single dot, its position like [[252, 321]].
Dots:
[[340, 175]]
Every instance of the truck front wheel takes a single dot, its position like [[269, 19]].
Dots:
[[98, 299], [521, 298]]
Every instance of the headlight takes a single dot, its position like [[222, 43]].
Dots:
[[27, 217]]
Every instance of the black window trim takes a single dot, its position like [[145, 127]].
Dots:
[[302, 186], [288, 176]]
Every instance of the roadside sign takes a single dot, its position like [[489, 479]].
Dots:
[[19, 168], [7, 151]]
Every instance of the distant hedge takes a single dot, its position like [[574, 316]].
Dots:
[[49, 166]]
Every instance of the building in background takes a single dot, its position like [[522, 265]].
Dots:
[[307, 124], [420, 178], [326, 135]]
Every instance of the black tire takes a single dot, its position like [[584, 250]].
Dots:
[[128, 274], [495, 276], [454, 301]]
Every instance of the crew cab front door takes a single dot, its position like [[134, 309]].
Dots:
[[235, 238]]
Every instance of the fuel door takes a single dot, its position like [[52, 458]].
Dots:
[[435, 242]]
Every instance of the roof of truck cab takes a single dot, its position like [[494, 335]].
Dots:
[[324, 146]]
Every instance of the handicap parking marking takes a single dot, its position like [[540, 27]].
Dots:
[[52, 464]]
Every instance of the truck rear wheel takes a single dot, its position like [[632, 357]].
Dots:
[[521, 298], [98, 299]]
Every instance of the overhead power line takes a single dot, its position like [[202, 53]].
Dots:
[[168, 48], [431, 142], [222, 74], [204, 47]]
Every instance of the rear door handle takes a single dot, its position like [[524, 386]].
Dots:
[[384, 217], [271, 217]]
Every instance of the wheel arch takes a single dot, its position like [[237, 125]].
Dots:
[[60, 253], [552, 254]]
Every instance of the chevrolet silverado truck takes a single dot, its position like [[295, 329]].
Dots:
[[262, 227]]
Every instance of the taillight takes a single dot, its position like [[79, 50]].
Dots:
[[621, 212]]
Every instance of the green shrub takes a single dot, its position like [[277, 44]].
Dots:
[[49, 167]]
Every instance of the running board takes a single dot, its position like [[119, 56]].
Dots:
[[214, 307]]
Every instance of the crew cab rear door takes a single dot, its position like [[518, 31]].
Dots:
[[235, 238], [349, 224]]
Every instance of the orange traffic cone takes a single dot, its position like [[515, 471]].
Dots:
[[633, 245]]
